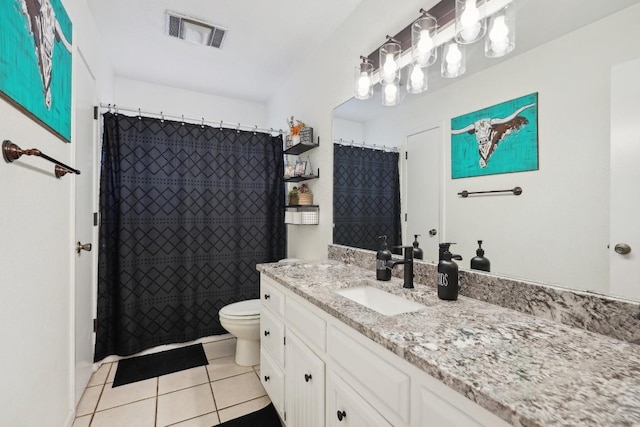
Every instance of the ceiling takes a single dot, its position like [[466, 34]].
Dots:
[[537, 22], [264, 41]]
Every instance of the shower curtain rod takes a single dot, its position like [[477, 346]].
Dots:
[[352, 143], [237, 126]]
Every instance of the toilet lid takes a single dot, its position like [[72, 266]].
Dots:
[[242, 308]]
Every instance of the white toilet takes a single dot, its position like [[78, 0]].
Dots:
[[242, 320]]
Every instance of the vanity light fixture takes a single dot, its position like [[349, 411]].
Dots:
[[390, 62], [390, 94], [417, 79], [453, 60], [451, 24], [423, 48], [501, 33], [364, 79], [470, 27]]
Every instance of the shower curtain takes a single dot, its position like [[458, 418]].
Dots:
[[186, 213], [366, 197]]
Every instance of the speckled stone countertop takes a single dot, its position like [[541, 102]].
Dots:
[[527, 370]]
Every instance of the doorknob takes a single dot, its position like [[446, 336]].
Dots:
[[622, 248], [433, 232], [81, 247]]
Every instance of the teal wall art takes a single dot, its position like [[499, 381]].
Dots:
[[499, 139], [35, 61]]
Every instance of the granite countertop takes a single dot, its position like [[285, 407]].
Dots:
[[527, 370]]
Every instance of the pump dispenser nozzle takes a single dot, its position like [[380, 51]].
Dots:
[[480, 262], [417, 252]]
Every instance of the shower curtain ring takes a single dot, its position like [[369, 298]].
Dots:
[[238, 128], [220, 124], [161, 117], [255, 129], [182, 120], [202, 124], [139, 115]]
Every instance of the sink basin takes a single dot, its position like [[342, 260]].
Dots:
[[380, 301]]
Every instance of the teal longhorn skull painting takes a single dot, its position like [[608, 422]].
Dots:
[[35, 61], [499, 139]]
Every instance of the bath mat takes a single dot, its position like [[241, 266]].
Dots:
[[265, 417], [154, 365]]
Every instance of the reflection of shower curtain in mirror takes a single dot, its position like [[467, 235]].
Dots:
[[366, 197], [186, 213]]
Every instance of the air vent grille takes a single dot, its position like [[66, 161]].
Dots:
[[194, 31]]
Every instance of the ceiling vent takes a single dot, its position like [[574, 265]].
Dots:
[[194, 30]]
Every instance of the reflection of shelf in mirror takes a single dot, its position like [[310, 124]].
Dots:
[[301, 178], [302, 214], [301, 148]]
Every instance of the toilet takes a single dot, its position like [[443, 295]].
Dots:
[[242, 320]]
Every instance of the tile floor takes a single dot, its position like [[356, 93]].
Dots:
[[200, 397]]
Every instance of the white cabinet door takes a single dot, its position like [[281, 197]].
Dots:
[[346, 408], [304, 385], [437, 412], [272, 379], [272, 336]]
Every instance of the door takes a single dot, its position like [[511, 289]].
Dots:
[[625, 175], [423, 165], [85, 272], [346, 408], [304, 385]]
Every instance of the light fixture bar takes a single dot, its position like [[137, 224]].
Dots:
[[443, 35]]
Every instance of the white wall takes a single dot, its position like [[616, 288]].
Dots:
[[36, 248], [566, 199], [156, 98]]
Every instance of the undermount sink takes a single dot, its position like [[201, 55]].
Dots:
[[380, 301]]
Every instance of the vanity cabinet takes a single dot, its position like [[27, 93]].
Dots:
[[366, 384]]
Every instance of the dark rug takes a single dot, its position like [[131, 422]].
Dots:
[[265, 417], [157, 364]]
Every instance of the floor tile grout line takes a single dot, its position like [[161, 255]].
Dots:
[[213, 396], [155, 423]]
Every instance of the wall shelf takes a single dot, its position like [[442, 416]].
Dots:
[[301, 148], [301, 178], [302, 214]]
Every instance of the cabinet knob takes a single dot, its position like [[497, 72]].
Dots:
[[341, 415], [266, 333], [267, 296], [266, 377], [307, 377]]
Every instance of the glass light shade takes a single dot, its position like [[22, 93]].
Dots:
[[363, 88], [469, 27], [423, 49], [453, 60], [417, 79], [389, 62], [501, 33], [390, 94]]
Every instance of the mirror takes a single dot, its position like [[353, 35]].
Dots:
[[558, 231]]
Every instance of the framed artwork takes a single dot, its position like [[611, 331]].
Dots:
[[301, 167], [35, 61], [499, 139], [289, 170]]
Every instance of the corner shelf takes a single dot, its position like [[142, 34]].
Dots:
[[301, 178], [302, 214], [300, 148]]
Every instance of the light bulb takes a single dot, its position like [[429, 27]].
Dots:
[[453, 55], [390, 93], [390, 66], [364, 83], [471, 14], [417, 77], [499, 31], [426, 42]]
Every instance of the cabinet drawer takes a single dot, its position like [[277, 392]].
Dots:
[[272, 379], [308, 325], [272, 336], [379, 382], [271, 297]]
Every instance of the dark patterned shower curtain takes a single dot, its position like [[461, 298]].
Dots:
[[366, 197], [186, 213]]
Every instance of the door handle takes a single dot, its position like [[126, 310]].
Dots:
[[81, 247], [622, 248]]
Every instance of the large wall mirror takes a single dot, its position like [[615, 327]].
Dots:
[[583, 63]]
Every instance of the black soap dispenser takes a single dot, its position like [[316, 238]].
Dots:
[[417, 252], [480, 262], [447, 274], [383, 255]]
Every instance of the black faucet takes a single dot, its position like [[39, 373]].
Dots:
[[408, 265]]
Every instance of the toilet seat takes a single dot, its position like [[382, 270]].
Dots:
[[247, 310]]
